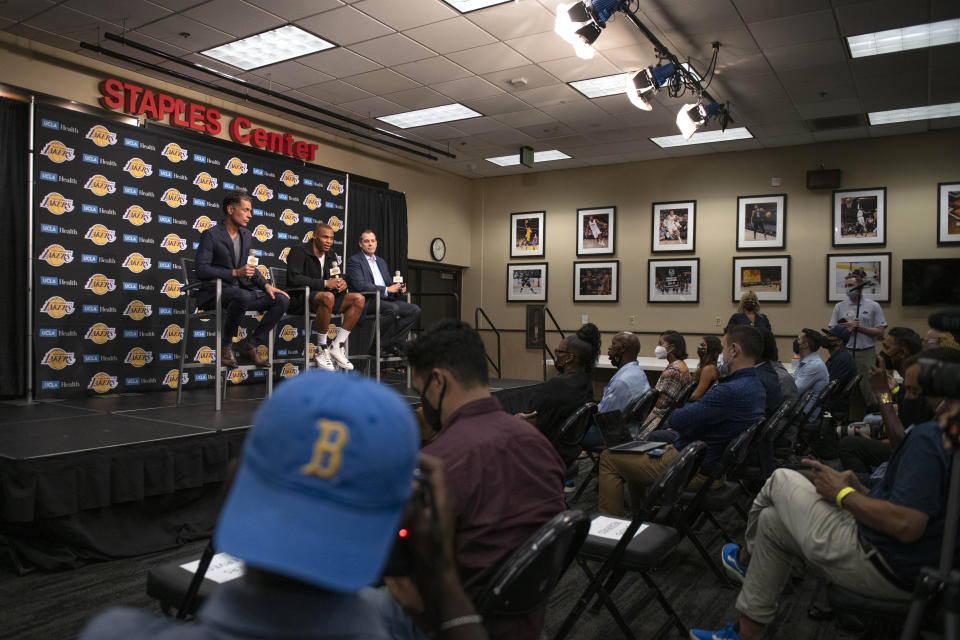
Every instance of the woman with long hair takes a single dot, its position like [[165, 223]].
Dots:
[[706, 373]]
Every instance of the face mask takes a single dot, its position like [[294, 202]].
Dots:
[[853, 294], [722, 367], [431, 415], [887, 360], [701, 351], [616, 359], [660, 352], [749, 305], [796, 346]]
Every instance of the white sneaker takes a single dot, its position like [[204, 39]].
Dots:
[[339, 357], [323, 360]]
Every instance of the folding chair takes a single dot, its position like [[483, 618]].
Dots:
[[684, 396], [840, 399], [569, 439], [216, 315], [874, 618], [641, 552]]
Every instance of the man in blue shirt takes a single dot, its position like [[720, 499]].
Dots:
[[810, 372], [720, 415], [630, 380]]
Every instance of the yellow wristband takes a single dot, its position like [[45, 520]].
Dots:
[[843, 493], [884, 398]]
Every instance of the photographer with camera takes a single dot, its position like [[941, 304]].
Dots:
[[324, 481]]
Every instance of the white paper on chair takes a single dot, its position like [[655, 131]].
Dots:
[[612, 528], [223, 568]]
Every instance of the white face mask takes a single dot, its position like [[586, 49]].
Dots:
[[660, 352]]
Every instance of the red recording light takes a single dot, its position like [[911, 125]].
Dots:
[[402, 533]]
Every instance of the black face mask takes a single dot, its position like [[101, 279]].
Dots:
[[701, 351], [796, 346], [914, 411], [616, 359], [886, 359], [749, 305], [431, 415]]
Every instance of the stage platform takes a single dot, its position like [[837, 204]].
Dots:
[[126, 474]]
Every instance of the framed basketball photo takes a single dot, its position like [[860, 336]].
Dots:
[[526, 234], [596, 281], [527, 282], [948, 213], [595, 231], [860, 217], [674, 226], [762, 222], [673, 280]]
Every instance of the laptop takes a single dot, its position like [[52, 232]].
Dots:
[[617, 437], [638, 446]]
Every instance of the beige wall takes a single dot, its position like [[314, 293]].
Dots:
[[909, 166], [438, 202]]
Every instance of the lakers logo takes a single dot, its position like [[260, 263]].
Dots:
[[262, 351], [137, 310], [174, 198], [284, 254], [100, 186], [262, 193], [288, 332], [137, 215], [203, 223], [332, 331], [138, 168], [173, 333], [57, 307], [100, 235], [236, 376], [171, 288], [136, 263], [335, 223], [138, 357], [327, 449], [289, 218], [308, 236], [241, 335], [175, 153], [312, 202], [289, 370], [173, 243], [56, 203], [101, 136], [335, 188], [56, 256], [205, 355], [205, 181], [100, 333], [289, 178], [100, 284], [57, 152], [236, 166], [262, 233], [262, 268], [171, 378], [102, 382], [57, 358]]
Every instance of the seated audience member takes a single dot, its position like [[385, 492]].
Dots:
[[318, 267], [898, 408], [840, 365], [706, 373], [748, 313], [870, 542], [504, 478], [810, 372], [674, 379], [725, 411], [788, 387], [628, 383], [328, 458], [933, 339]]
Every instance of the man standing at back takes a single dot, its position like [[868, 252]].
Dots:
[[368, 272], [863, 318]]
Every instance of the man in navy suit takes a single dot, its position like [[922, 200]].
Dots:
[[222, 254], [367, 272]]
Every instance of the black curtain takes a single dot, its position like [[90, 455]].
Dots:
[[13, 254], [385, 212]]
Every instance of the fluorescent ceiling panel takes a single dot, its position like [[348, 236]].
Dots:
[[466, 6], [703, 137], [269, 47], [610, 85], [919, 36], [538, 156], [915, 113], [433, 115]]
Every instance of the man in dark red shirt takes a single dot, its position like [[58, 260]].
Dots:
[[504, 477]]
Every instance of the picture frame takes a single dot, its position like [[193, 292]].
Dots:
[[536, 326], [673, 280], [875, 266], [674, 227], [766, 276], [596, 281], [596, 231], [527, 234], [948, 213], [527, 282], [762, 222], [860, 217]]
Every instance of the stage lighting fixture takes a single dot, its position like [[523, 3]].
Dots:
[[581, 23], [693, 116], [646, 81]]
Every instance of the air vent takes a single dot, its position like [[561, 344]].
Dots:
[[836, 122]]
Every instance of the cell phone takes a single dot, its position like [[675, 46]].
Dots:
[[656, 453], [400, 563]]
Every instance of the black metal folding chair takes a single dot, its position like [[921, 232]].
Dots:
[[376, 359], [569, 439]]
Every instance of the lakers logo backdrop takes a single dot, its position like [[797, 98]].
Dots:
[[116, 210]]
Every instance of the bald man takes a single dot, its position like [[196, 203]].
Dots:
[[628, 383]]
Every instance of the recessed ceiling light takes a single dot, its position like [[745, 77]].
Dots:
[[433, 115], [703, 137], [538, 156], [919, 36], [269, 47], [915, 113], [466, 6], [611, 85]]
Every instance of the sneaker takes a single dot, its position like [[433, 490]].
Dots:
[[323, 360], [570, 485], [335, 353], [730, 559], [727, 633]]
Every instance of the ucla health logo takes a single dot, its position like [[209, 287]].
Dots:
[[173, 243], [100, 284], [56, 256], [203, 223], [136, 263], [175, 153], [100, 333], [56, 203], [138, 168], [289, 178], [100, 235], [262, 233], [335, 188], [174, 198], [101, 136], [57, 358], [205, 181], [312, 202], [57, 152], [137, 215], [100, 186], [289, 217], [47, 123]]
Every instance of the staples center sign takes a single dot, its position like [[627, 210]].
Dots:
[[141, 101]]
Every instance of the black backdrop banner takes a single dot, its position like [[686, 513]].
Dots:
[[116, 210], [13, 254]]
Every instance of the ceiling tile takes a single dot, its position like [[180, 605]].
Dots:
[[256, 81], [514, 19], [406, 14], [451, 35], [126, 13], [840, 134], [541, 46], [787, 140], [419, 98], [201, 36], [757, 10], [296, 9], [574, 111], [467, 89], [22, 9], [236, 18], [502, 103], [547, 130], [632, 57], [372, 107], [827, 108], [292, 74], [897, 129], [65, 21], [803, 56], [46, 37], [474, 126], [392, 50], [569, 69], [524, 78], [818, 91], [553, 94], [178, 5], [339, 62], [739, 87], [437, 132], [791, 30], [335, 92], [344, 26], [491, 57], [524, 118], [432, 70], [506, 137], [381, 81], [866, 17]]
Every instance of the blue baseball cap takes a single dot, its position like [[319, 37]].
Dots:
[[325, 475], [838, 332]]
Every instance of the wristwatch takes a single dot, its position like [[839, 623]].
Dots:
[[884, 398]]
